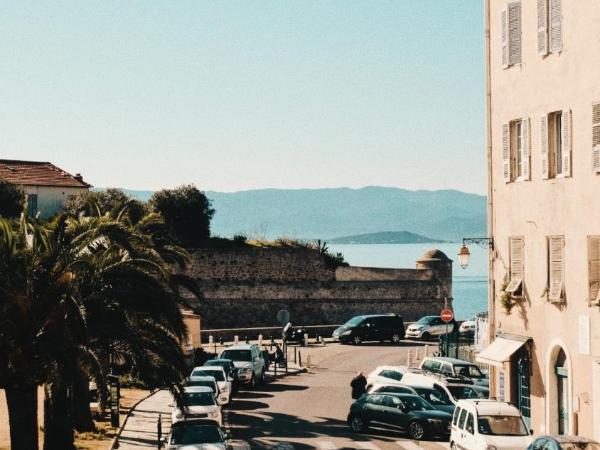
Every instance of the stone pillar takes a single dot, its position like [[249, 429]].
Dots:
[[441, 266]]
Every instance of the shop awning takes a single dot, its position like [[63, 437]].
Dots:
[[500, 351]]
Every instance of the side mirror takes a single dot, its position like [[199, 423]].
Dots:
[[531, 432]]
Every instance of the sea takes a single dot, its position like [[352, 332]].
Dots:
[[469, 285]]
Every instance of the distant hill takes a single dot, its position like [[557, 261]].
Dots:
[[447, 215], [384, 237]]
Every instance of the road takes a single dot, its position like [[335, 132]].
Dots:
[[308, 411]]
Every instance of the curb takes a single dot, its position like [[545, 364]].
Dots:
[[115, 440], [282, 374]]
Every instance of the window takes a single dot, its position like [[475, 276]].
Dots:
[[457, 412], [556, 144], [596, 137], [515, 285], [515, 150], [594, 269], [463, 417], [556, 256], [376, 400], [32, 205], [549, 20], [446, 369], [391, 374], [432, 366], [392, 402], [511, 34], [470, 427]]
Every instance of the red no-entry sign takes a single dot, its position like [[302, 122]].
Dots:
[[446, 315]]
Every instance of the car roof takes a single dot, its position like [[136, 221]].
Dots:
[[240, 347], [396, 394], [202, 378], [450, 360], [213, 368], [219, 360], [197, 389], [490, 407], [426, 379], [378, 315], [398, 368], [396, 384]]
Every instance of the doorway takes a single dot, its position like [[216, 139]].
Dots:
[[562, 390]]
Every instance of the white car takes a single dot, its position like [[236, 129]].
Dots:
[[208, 382], [394, 388], [467, 328], [218, 373], [199, 403], [449, 391], [488, 425], [429, 327], [386, 375]]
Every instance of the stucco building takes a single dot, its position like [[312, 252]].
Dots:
[[46, 186], [543, 92]]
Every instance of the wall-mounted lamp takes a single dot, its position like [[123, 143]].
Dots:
[[464, 255]]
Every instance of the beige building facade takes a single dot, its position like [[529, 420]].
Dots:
[[543, 87]]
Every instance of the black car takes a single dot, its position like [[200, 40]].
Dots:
[[563, 442], [437, 398], [374, 327], [404, 412]]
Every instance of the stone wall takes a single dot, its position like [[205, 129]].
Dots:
[[246, 287]]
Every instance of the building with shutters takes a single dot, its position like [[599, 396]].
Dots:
[[45, 185], [543, 94]]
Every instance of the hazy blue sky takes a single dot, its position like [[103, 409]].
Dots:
[[249, 94]]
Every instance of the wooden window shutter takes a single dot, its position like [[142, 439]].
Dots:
[[555, 25], [556, 251], [542, 20], [544, 142], [506, 151], [594, 269], [514, 33], [566, 143], [525, 150], [596, 137], [516, 265], [504, 38]]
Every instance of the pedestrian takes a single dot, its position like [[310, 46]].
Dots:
[[358, 385], [279, 358]]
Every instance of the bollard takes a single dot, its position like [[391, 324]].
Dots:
[[246, 339], [305, 341], [416, 354], [307, 360], [159, 432], [300, 358], [295, 355], [286, 359], [275, 363], [236, 340], [272, 342], [260, 340], [408, 355], [426, 351]]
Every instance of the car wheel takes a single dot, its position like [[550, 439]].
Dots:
[[357, 424], [396, 338], [356, 340], [252, 383], [426, 336], [416, 431], [262, 377]]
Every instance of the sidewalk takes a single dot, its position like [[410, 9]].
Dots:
[[140, 431]]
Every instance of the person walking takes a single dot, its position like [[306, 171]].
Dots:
[[358, 385]]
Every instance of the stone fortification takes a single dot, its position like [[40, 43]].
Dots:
[[245, 287]]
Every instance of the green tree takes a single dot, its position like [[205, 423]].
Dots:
[[94, 203], [187, 213], [12, 199]]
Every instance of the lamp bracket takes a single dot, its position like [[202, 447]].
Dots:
[[481, 241]]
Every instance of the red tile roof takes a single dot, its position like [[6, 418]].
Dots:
[[37, 173]]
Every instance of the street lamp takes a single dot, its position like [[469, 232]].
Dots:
[[464, 255]]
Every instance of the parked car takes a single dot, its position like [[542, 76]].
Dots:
[[198, 403], [208, 382], [226, 364], [404, 412], [563, 443], [438, 399], [455, 367], [293, 335], [429, 327], [248, 361], [218, 373], [386, 375], [196, 434], [449, 389], [488, 424], [374, 327], [467, 328], [384, 388]]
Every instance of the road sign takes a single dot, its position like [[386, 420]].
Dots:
[[283, 316], [447, 315]]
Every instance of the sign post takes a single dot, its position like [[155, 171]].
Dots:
[[115, 396], [446, 315]]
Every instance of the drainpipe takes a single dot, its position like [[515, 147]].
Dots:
[[490, 194]]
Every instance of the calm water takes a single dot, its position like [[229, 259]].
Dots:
[[469, 285]]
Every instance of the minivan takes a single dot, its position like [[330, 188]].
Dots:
[[453, 367], [373, 327]]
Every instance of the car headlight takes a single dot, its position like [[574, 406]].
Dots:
[[179, 414], [435, 421], [212, 414], [346, 333]]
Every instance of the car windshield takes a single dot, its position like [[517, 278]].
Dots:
[[195, 434], [198, 399], [415, 403], [354, 321], [425, 320], [216, 374], [502, 426], [206, 383], [237, 355], [462, 392], [433, 396], [468, 371]]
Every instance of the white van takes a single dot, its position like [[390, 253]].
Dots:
[[488, 424], [451, 391]]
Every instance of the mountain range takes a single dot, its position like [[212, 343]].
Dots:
[[326, 214]]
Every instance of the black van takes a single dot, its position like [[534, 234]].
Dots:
[[373, 327]]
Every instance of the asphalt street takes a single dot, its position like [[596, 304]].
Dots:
[[308, 411]]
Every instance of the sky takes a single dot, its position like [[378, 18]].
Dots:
[[237, 95]]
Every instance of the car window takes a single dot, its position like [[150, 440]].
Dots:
[[392, 402], [463, 392], [446, 369], [431, 365], [216, 374], [391, 374], [502, 426], [195, 434], [434, 397], [462, 419], [395, 389], [470, 427], [437, 321], [468, 371], [376, 400], [455, 416]]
